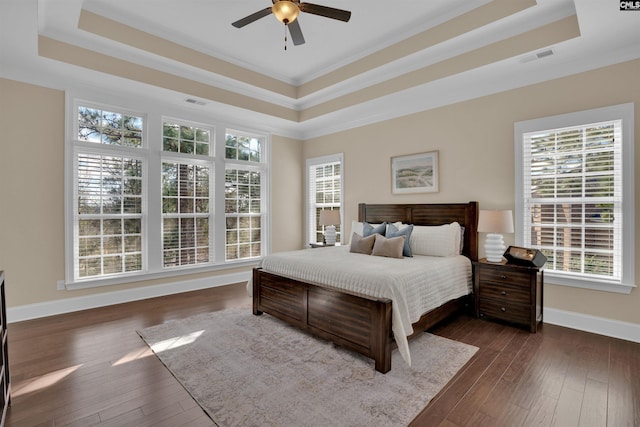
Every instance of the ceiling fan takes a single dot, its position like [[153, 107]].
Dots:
[[287, 11]]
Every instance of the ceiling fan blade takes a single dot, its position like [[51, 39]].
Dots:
[[296, 33], [252, 18], [327, 12]]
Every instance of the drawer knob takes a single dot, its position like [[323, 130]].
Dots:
[[503, 293], [502, 309], [503, 277]]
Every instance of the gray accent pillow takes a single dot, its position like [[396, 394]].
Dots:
[[393, 231], [360, 244], [368, 229], [391, 248]]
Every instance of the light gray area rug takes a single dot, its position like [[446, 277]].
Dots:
[[247, 370]]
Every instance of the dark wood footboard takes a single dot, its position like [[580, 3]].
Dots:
[[357, 322]]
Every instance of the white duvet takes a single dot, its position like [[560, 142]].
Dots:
[[415, 285]]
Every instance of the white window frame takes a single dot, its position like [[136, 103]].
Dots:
[[76, 147], [311, 206], [262, 167], [625, 113], [151, 152], [199, 160]]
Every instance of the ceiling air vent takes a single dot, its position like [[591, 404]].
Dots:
[[195, 101], [536, 56], [544, 53]]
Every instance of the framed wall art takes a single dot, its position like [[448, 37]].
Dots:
[[415, 173]]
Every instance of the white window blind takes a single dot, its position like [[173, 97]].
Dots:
[[574, 196], [109, 215], [324, 191], [185, 208], [574, 203]]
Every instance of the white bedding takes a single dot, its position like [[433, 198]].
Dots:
[[415, 285]]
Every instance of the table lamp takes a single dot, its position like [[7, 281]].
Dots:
[[329, 219], [495, 223]]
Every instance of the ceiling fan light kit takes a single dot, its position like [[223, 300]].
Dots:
[[287, 11]]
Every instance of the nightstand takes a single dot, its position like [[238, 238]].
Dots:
[[320, 245], [509, 292], [323, 245]]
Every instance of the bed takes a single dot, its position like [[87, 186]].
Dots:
[[355, 320]]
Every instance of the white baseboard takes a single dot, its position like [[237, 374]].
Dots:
[[68, 305], [597, 325], [583, 322]]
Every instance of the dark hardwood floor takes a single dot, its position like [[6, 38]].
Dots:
[[91, 368]]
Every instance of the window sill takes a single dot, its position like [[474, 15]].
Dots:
[[556, 279], [175, 272]]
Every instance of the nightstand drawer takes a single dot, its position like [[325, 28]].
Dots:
[[502, 275], [515, 313], [509, 292], [506, 293]]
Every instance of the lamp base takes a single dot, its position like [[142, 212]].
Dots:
[[494, 247], [330, 235]]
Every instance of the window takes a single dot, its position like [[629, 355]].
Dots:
[[575, 198], [141, 195], [324, 191], [109, 215], [108, 203], [244, 200], [185, 195]]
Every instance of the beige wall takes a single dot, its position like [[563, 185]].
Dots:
[[475, 144], [287, 190], [476, 163], [31, 191], [32, 195]]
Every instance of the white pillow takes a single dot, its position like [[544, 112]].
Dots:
[[439, 240], [399, 225], [356, 227]]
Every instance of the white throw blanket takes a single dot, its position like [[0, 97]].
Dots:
[[414, 285]]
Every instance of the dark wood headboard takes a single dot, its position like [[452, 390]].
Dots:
[[466, 214]]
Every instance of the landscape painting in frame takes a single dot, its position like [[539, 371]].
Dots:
[[415, 173]]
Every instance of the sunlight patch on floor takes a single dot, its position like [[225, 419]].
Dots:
[[41, 382], [175, 342], [134, 355]]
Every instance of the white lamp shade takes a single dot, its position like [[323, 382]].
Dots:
[[329, 217], [495, 223]]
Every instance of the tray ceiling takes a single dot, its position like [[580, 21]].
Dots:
[[386, 62]]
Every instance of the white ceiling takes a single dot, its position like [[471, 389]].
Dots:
[[206, 26], [607, 36]]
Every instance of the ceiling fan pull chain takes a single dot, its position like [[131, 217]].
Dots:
[[285, 36]]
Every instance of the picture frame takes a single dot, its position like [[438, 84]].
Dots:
[[415, 173]]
